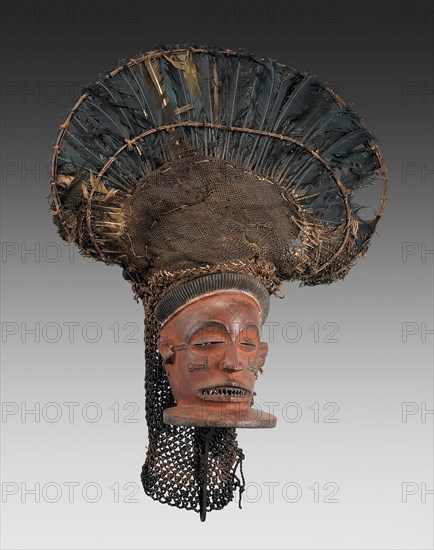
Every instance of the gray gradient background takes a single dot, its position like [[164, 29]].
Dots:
[[367, 51]]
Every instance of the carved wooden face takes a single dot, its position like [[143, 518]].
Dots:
[[212, 351]]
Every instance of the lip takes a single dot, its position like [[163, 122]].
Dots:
[[229, 392]]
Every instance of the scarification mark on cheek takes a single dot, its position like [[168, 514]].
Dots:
[[193, 366]]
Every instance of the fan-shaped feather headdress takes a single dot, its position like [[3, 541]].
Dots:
[[190, 161]]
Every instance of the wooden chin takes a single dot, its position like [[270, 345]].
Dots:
[[218, 415]]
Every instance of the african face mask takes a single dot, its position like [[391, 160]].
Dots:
[[213, 354], [211, 176]]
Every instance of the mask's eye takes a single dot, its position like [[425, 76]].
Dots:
[[209, 343], [251, 345], [249, 337], [207, 335]]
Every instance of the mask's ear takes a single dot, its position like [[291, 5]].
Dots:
[[165, 347], [263, 350]]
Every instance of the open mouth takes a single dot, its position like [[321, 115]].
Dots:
[[223, 393]]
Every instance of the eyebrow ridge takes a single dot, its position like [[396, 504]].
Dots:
[[202, 325]]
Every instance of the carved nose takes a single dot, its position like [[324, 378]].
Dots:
[[230, 362], [231, 366]]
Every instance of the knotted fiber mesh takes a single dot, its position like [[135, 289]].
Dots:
[[199, 211]]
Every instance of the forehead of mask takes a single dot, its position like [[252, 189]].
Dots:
[[215, 316]]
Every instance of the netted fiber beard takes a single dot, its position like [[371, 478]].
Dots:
[[174, 467]]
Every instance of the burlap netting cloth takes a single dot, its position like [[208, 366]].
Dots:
[[202, 211]]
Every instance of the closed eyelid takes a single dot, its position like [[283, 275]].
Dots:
[[248, 344]]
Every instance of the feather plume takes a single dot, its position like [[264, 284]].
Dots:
[[275, 121]]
